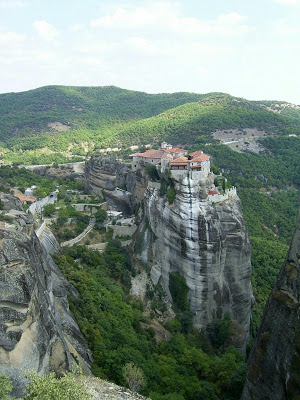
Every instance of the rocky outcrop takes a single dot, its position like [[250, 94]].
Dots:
[[207, 243], [65, 171], [204, 241], [274, 362], [104, 174], [37, 330], [49, 241]]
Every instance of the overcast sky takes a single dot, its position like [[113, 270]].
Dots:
[[248, 48]]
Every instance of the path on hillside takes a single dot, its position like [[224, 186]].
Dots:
[[81, 235]]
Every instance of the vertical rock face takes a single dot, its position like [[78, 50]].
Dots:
[[37, 331], [274, 362], [207, 243], [105, 173]]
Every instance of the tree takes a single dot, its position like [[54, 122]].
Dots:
[[48, 210], [179, 291], [152, 171], [61, 220], [100, 215], [171, 194], [219, 330], [134, 377]]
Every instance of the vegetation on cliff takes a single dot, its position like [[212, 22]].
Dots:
[[268, 187], [118, 330]]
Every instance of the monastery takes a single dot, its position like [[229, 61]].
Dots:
[[174, 159]]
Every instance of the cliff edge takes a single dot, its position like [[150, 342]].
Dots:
[[273, 369], [37, 330], [205, 242]]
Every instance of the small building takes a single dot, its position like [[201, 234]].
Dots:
[[176, 152], [197, 161], [25, 199], [166, 146], [150, 156]]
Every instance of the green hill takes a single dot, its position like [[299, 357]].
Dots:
[[94, 108], [194, 122], [51, 123]]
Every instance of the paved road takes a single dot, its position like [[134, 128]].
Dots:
[[36, 207]]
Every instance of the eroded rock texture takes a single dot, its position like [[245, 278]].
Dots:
[[274, 363], [105, 173], [206, 243], [37, 330]]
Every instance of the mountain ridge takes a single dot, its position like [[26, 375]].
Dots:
[[84, 119]]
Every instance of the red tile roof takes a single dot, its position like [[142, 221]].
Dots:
[[176, 150], [201, 157], [212, 192], [196, 153], [197, 156], [180, 161], [167, 156], [151, 154]]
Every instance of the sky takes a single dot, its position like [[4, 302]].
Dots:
[[247, 48]]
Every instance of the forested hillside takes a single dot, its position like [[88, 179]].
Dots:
[[268, 185], [53, 123]]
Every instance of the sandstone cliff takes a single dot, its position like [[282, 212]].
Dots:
[[204, 241], [274, 362], [104, 174], [207, 243], [37, 330]]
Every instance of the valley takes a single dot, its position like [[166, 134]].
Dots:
[[156, 239]]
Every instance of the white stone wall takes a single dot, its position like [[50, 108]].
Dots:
[[218, 198], [196, 176]]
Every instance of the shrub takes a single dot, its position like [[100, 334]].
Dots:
[[48, 387], [179, 290], [219, 330], [152, 171], [5, 386], [134, 377], [6, 218], [171, 194]]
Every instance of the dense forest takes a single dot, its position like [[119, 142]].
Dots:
[[188, 366]]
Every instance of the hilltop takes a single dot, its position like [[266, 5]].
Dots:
[[52, 123]]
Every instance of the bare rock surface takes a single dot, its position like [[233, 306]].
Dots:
[[274, 362], [100, 389], [37, 330], [207, 244]]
